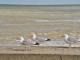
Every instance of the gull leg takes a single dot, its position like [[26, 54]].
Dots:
[[25, 48], [38, 45], [69, 46]]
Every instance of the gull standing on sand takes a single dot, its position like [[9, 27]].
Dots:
[[70, 40], [39, 39], [27, 42]]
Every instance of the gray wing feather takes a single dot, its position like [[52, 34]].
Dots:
[[27, 42], [72, 39], [41, 39]]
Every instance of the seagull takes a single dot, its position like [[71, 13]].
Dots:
[[70, 40], [39, 39], [27, 42]]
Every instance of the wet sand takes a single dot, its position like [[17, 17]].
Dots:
[[39, 53]]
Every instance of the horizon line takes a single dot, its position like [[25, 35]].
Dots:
[[40, 4]]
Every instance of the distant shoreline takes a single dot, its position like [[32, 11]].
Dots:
[[39, 5]]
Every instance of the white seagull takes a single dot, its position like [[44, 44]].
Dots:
[[39, 39], [27, 42], [70, 40]]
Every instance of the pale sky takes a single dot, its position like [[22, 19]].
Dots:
[[40, 2]]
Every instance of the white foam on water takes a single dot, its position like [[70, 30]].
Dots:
[[42, 20], [58, 44], [57, 20], [47, 43]]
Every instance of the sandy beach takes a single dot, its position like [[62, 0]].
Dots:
[[39, 53]]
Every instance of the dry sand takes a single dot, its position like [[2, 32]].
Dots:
[[39, 53]]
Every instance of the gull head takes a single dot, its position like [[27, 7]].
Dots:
[[34, 35], [21, 38], [65, 36]]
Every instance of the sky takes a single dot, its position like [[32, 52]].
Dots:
[[40, 2]]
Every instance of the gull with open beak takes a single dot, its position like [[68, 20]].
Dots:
[[27, 42], [70, 40]]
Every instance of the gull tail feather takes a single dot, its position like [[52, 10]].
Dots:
[[36, 44], [48, 39]]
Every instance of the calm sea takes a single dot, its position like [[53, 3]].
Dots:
[[49, 21]]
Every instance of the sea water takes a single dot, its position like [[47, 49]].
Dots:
[[49, 21]]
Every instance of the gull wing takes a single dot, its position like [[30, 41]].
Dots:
[[72, 39], [28, 42]]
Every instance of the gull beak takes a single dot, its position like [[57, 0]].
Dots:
[[62, 36], [17, 39]]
